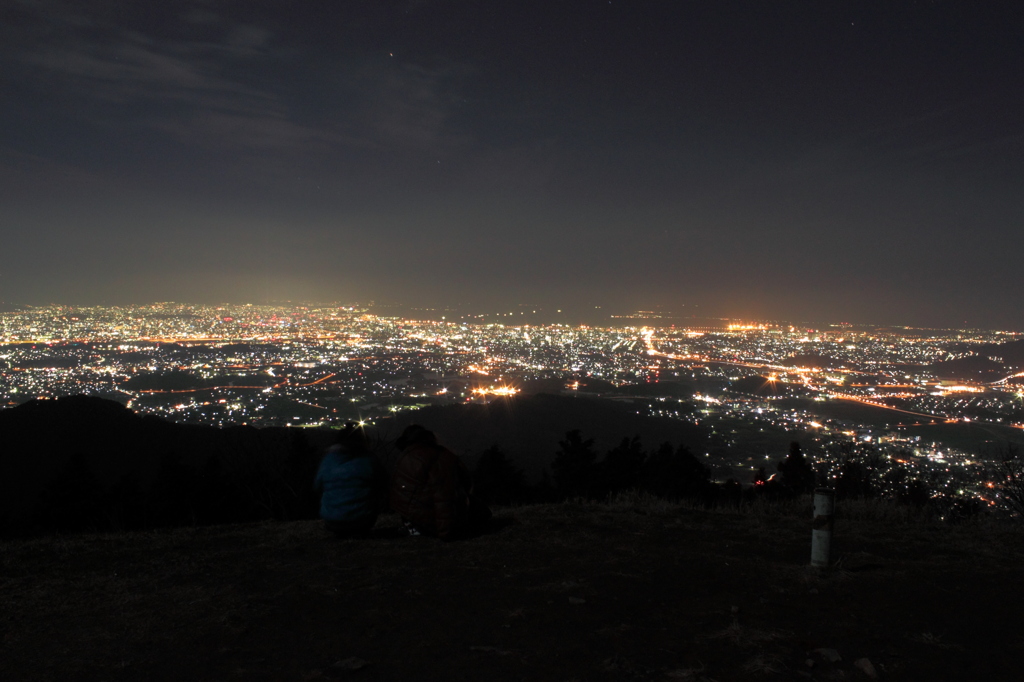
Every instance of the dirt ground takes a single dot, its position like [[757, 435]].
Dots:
[[555, 592]]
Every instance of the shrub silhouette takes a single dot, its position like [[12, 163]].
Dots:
[[796, 474], [621, 468], [496, 480], [675, 474], [859, 472], [730, 493], [916, 493], [130, 472], [573, 466], [853, 481]]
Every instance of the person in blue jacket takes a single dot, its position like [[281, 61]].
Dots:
[[352, 484]]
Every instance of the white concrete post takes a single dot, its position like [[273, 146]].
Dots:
[[821, 528]]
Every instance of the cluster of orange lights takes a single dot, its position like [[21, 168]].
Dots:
[[960, 389], [496, 390]]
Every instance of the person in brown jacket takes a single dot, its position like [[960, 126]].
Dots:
[[431, 489]]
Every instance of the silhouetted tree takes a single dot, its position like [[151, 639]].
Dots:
[[861, 471], [675, 474], [545, 490], [770, 487], [621, 467], [573, 466], [731, 492], [898, 483], [853, 480], [916, 492], [656, 473], [962, 509], [796, 474], [496, 480]]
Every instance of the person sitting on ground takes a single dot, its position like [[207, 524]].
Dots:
[[352, 484], [431, 489]]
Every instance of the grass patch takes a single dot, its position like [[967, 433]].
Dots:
[[631, 588]]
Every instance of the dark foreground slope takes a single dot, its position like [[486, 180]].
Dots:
[[631, 591]]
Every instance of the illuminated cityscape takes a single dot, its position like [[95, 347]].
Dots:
[[911, 394]]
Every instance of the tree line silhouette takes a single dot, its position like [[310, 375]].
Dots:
[[92, 465], [276, 484]]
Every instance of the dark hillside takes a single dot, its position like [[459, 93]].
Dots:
[[528, 428], [83, 463], [973, 368], [812, 360], [118, 467], [1010, 353], [635, 591], [988, 362]]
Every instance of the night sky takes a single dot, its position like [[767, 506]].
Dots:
[[827, 161]]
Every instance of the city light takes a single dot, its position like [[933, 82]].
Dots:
[[311, 366], [496, 390]]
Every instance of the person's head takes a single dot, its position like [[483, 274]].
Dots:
[[352, 437], [415, 435]]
